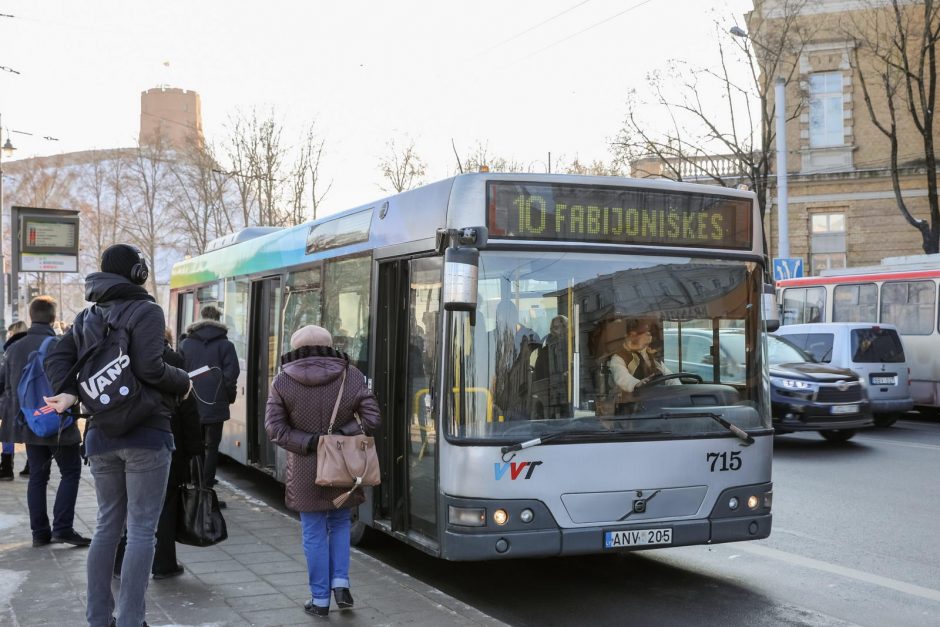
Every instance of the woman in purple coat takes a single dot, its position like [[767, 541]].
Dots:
[[299, 408]]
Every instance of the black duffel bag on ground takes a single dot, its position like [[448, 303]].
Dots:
[[200, 521]]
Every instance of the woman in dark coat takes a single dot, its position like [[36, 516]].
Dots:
[[299, 408], [187, 437], [15, 332]]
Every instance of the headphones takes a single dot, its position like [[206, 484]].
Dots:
[[139, 271]]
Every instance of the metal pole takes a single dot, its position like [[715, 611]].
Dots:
[[783, 226]]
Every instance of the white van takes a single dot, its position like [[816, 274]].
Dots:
[[874, 351]]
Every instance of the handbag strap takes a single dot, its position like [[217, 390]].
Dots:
[[342, 386]]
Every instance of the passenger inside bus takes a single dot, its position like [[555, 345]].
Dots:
[[635, 363], [550, 383], [513, 345]]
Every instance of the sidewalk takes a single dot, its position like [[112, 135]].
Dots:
[[256, 577]]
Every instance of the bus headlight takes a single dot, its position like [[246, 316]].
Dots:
[[526, 515], [466, 516], [733, 503], [500, 517], [753, 501]]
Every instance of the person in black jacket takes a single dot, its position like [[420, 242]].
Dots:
[[64, 447], [206, 343], [187, 434], [130, 470], [15, 332]]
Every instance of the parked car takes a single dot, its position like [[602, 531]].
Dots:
[[873, 351], [805, 395]]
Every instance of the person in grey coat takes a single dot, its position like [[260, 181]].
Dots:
[[206, 343], [300, 405]]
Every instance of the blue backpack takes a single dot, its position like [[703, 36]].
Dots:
[[41, 419]]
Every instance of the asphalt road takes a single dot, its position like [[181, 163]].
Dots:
[[854, 542]]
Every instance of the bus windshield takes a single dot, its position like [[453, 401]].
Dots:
[[607, 346]]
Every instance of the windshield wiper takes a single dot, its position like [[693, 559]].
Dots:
[[738, 431], [512, 448]]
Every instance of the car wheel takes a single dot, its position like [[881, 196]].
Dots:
[[885, 420], [838, 435]]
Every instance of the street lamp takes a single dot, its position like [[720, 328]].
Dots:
[[8, 151], [783, 226]]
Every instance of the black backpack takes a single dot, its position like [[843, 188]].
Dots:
[[110, 391]]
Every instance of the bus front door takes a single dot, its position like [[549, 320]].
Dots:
[[266, 297], [407, 329]]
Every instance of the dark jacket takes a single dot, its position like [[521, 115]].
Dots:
[[187, 430], [299, 408], [7, 427], [121, 303], [13, 364], [206, 344]]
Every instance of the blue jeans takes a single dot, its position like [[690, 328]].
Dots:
[[69, 460], [7, 448], [326, 547], [130, 484]]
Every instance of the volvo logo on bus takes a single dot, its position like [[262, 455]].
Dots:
[[515, 469]]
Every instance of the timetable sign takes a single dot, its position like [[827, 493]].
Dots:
[[49, 234]]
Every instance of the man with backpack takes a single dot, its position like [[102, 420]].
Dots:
[[58, 438], [112, 359], [206, 344]]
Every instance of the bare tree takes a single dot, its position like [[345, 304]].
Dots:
[[480, 157], [200, 199], [151, 223], [305, 175], [401, 167], [726, 142], [896, 66]]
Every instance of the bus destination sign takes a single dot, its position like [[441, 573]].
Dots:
[[617, 215]]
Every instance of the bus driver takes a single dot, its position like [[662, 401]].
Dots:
[[635, 363]]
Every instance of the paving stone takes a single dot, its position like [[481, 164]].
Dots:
[[256, 577]]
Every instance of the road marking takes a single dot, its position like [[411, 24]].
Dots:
[[851, 573], [929, 447]]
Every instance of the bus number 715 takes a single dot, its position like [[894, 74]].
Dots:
[[729, 461]]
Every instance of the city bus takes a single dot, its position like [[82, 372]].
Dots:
[[901, 291], [485, 311]]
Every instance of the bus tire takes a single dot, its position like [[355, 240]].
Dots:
[[360, 534], [837, 435], [885, 420]]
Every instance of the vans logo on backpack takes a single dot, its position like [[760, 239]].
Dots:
[[95, 385]]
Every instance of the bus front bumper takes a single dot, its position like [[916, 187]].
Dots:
[[556, 542], [724, 524]]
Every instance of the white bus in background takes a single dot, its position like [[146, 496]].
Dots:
[[902, 291]]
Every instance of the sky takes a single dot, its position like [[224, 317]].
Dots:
[[524, 78]]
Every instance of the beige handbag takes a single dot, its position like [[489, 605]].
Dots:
[[346, 461]]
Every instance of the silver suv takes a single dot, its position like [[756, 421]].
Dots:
[[873, 351]]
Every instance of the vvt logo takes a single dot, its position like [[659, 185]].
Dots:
[[515, 469]]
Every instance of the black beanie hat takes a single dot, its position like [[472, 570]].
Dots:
[[119, 259]]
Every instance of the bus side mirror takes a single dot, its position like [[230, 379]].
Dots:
[[461, 268], [770, 313]]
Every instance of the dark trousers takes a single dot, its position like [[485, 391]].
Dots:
[[164, 558], [212, 434], [69, 460], [164, 555]]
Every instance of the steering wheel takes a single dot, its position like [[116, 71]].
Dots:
[[662, 378]]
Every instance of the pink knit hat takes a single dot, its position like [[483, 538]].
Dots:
[[310, 335]]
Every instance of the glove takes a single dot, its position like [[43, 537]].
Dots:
[[312, 444], [60, 402]]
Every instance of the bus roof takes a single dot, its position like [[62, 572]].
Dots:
[[408, 217]]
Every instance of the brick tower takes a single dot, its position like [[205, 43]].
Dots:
[[173, 114]]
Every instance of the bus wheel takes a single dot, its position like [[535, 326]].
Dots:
[[361, 534], [885, 420], [838, 435]]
